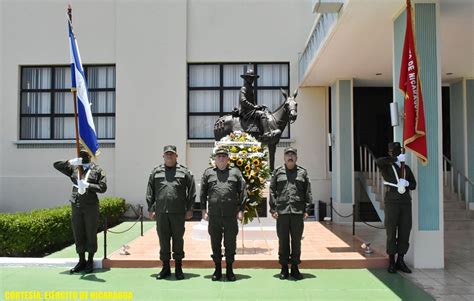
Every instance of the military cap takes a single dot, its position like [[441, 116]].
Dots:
[[249, 74], [221, 151], [83, 151], [394, 145], [291, 149], [169, 148]]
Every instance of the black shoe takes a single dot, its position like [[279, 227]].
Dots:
[[284, 272], [165, 271], [229, 273], [217, 273], [89, 268], [80, 266], [178, 270], [401, 265], [295, 272], [391, 266]]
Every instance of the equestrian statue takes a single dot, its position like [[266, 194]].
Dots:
[[257, 120]]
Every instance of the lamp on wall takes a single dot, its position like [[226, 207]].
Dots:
[[394, 115], [330, 139]]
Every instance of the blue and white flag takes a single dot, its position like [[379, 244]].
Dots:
[[87, 133]]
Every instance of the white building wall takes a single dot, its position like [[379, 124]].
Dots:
[[35, 33], [151, 43]]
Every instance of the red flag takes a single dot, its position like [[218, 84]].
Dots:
[[414, 131]]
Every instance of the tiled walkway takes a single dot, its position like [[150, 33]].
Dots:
[[455, 281], [321, 248]]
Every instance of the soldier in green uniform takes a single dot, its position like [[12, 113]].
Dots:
[[170, 196], [223, 188], [85, 206], [398, 219], [290, 198]]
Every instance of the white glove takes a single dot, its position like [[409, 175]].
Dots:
[[82, 185], [75, 161], [205, 216], [401, 158], [404, 182]]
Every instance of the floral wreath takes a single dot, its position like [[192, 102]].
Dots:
[[247, 154]]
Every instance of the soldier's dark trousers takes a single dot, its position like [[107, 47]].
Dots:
[[85, 219], [223, 226], [398, 223], [290, 231], [170, 226]]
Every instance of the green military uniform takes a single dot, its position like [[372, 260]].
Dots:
[[290, 197], [223, 195], [85, 207], [398, 217], [171, 192]]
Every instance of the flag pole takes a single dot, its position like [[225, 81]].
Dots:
[[402, 164], [74, 98]]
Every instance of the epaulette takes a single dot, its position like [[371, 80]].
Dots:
[[209, 168], [181, 166], [158, 167], [279, 168], [301, 167]]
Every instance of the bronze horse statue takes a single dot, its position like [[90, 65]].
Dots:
[[286, 112]]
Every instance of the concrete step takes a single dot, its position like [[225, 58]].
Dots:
[[456, 225], [454, 206], [457, 215]]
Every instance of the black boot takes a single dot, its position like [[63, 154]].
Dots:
[[165, 271], [229, 272], [284, 272], [295, 272], [217, 272], [178, 269], [391, 266], [401, 265], [80, 266], [90, 264]]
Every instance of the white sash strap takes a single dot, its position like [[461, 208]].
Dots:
[[396, 177], [86, 176]]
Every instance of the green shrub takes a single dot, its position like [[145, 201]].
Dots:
[[45, 230]]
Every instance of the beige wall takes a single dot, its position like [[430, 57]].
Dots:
[[150, 42]]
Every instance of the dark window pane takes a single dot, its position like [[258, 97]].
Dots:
[[203, 101], [102, 102], [36, 78], [202, 126], [64, 128], [35, 128], [35, 103]]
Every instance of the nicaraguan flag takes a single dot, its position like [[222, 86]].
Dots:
[[87, 134]]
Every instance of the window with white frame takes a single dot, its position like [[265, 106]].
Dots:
[[213, 91], [47, 107]]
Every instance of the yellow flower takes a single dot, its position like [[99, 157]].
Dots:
[[255, 148], [243, 151], [247, 168], [240, 162], [256, 162], [234, 149]]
